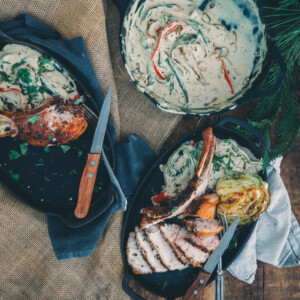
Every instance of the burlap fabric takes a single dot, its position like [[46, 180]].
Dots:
[[28, 267]]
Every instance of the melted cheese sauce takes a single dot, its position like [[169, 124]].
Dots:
[[229, 158], [192, 56], [26, 73]]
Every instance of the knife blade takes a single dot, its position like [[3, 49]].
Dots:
[[198, 285], [88, 177]]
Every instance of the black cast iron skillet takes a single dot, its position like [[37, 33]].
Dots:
[[257, 91], [173, 284], [49, 182]]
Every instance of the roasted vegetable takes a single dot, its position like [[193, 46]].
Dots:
[[242, 195]]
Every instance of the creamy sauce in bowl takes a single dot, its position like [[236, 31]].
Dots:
[[229, 158], [28, 78], [196, 56]]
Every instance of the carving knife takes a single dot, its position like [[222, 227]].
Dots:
[[90, 171], [196, 288]]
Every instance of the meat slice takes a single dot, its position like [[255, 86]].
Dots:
[[163, 249], [135, 258], [170, 233], [148, 252], [197, 256], [196, 187], [53, 123], [206, 243], [204, 207], [203, 227]]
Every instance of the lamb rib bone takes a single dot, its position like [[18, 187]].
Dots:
[[196, 187]]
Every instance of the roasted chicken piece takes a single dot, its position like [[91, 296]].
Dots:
[[196, 187], [204, 207], [54, 123]]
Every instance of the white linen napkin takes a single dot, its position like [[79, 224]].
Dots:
[[276, 236]]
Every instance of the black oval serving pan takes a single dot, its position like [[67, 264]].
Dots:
[[173, 284], [258, 90], [49, 181]]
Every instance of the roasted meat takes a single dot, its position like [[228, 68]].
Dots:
[[135, 258], [163, 249], [204, 207], [170, 233], [203, 227], [149, 253], [54, 123], [196, 187]]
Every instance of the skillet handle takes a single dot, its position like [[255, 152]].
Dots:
[[259, 93], [243, 124], [122, 6], [127, 289]]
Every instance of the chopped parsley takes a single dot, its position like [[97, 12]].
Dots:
[[14, 176], [5, 62], [24, 75], [14, 155], [50, 137], [164, 286], [73, 172], [34, 119], [65, 148], [47, 149], [174, 209], [79, 154], [24, 148]]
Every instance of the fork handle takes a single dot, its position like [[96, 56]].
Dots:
[[87, 185], [219, 285]]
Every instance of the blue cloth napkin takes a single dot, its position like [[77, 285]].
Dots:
[[132, 158]]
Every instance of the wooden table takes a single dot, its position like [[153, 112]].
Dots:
[[270, 282]]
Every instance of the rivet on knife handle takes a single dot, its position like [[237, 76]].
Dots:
[[194, 291], [87, 185]]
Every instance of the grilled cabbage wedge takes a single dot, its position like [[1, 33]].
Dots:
[[242, 195]]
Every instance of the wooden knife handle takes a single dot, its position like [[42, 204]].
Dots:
[[193, 293], [87, 186]]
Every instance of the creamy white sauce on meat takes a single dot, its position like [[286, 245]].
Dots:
[[178, 51], [229, 158], [26, 73]]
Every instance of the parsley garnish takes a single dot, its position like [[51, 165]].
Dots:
[[14, 176], [50, 137], [24, 148], [47, 149], [79, 153], [34, 119], [65, 148], [5, 62], [74, 172], [174, 209], [14, 155], [164, 286]]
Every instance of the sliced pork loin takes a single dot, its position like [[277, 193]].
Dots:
[[197, 255], [203, 227], [170, 233], [206, 243], [196, 187], [164, 250], [135, 258], [150, 254]]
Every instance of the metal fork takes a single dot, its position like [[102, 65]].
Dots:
[[219, 277], [92, 119]]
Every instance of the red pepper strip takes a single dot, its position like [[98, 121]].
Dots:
[[74, 98], [162, 197], [227, 77], [193, 142], [163, 34], [17, 91]]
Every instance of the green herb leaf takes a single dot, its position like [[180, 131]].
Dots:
[[106, 148], [34, 119], [65, 148], [24, 75], [73, 172], [46, 179], [24, 148], [47, 149], [14, 155], [39, 165], [50, 137], [164, 286], [174, 209], [14, 176], [79, 154], [5, 62]]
